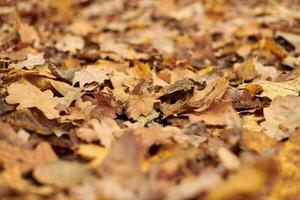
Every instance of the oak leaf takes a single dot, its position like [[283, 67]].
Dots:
[[29, 96]]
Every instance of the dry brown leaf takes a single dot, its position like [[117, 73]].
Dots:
[[103, 131], [219, 113], [29, 96], [238, 185], [140, 105], [282, 117], [273, 89], [246, 70], [202, 99], [25, 159], [81, 27], [31, 61], [60, 173], [28, 34], [89, 75], [70, 93], [70, 43], [94, 152], [228, 159], [12, 178], [287, 185]]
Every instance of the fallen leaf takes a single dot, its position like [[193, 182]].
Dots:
[[94, 152], [219, 113], [81, 27], [89, 75], [70, 93], [202, 99], [282, 117], [287, 184], [246, 70], [192, 187], [70, 43], [27, 33], [140, 105], [31, 61], [29, 96], [228, 159], [25, 159], [238, 185], [273, 89], [102, 131], [60, 173], [12, 178]]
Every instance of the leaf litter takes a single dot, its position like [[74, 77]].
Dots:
[[166, 99]]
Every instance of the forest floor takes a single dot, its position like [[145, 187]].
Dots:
[[149, 100]]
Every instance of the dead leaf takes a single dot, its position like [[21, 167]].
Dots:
[[238, 185], [25, 159], [81, 27], [228, 159], [89, 75], [140, 105], [27, 33], [246, 70], [94, 152], [219, 113], [29, 96], [60, 173], [273, 89], [282, 117], [287, 184], [70, 43], [102, 131], [31, 61], [202, 99]]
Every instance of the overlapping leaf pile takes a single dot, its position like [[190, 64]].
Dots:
[[166, 99]]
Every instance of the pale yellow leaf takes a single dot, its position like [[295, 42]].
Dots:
[[94, 152]]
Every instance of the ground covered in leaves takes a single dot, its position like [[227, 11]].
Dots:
[[149, 100]]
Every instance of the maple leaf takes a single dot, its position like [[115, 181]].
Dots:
[[282, 117], [89, 75], [140, 105], [28, 96]]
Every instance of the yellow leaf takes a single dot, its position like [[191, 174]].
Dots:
[[205, 70], [144, 71], [269, 44], [94, 152]]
